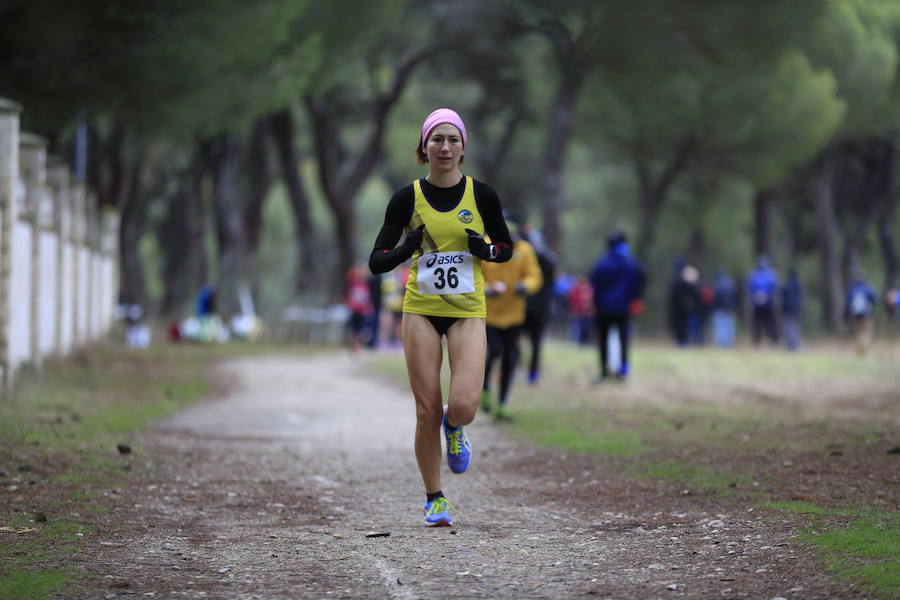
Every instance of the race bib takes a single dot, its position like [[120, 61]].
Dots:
[[445, 273]]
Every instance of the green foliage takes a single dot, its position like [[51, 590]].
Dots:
[[36, 585], [856, 41], [691, 475], [175, 69], [577, 432], [757, 91], [864, 548]]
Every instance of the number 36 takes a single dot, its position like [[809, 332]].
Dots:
[[451, 281]]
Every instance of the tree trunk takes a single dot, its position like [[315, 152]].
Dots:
[[229, 223], [875, 183], [259, 180], [282, 129], [338, 197], [696, 252], [762, 222], [492, 158], [202, 164], [107, 167], [562, 118], [651, 203], [342, 175], [855, 241], [829, 238], [886, 220], [133, 213], [653, 192], [177, 246], [182, 240]]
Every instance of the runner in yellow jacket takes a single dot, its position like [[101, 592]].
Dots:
[[506, 285]]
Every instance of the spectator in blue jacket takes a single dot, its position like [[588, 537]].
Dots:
[[724, 307], [618, 282], [858, 309], [762, 286]]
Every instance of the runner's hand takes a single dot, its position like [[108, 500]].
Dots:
[[478, 247], [494, 289], [413, 239]]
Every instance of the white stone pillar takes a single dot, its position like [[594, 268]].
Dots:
[[9, 173], [33, 159]]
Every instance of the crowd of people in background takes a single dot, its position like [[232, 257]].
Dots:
[[597, 308], [698, 311], [775, 307]]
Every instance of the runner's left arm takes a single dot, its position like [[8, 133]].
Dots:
[[494, 226]]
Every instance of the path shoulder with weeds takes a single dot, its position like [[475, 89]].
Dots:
[[295, 478]]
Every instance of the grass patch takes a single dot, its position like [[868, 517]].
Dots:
[[63, 530], [706, 365], [28, 585], [576, 433], [799, 508], [864, 549], [692, 475], [20, 554]]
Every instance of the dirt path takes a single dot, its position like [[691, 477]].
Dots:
[[269, 490]]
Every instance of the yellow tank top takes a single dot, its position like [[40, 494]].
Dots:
[[445, 280]]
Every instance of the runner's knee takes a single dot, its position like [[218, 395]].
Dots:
[[465, 406], [429, 412]]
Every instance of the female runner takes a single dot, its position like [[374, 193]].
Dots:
[[445, 216]]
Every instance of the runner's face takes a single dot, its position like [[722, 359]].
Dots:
[[444, 148]]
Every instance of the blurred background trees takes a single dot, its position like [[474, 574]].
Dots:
[[256, 144]]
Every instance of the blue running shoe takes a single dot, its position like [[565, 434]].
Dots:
[[437, 513], [459, 450]]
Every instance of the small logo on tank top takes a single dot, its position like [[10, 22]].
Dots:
[[465, 215]]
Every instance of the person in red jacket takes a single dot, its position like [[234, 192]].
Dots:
[[581, 309], [358, 299]]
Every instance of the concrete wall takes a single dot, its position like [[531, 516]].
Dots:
[[58, 255]]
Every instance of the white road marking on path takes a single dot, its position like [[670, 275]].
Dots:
[[391, 579]]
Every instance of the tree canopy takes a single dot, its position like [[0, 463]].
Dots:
[[630, 112]]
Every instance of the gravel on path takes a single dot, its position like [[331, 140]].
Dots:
[[269, 490]]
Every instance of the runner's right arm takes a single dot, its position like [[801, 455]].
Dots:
[[385, 256]]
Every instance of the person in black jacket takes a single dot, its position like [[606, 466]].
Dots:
[[684, 300], [538, 307]]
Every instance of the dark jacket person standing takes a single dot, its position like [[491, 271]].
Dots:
[[539, 306], [618, 281]]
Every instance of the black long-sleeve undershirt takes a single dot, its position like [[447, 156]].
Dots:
[[385, 256]]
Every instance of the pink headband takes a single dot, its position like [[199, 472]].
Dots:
[[443, 115]]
